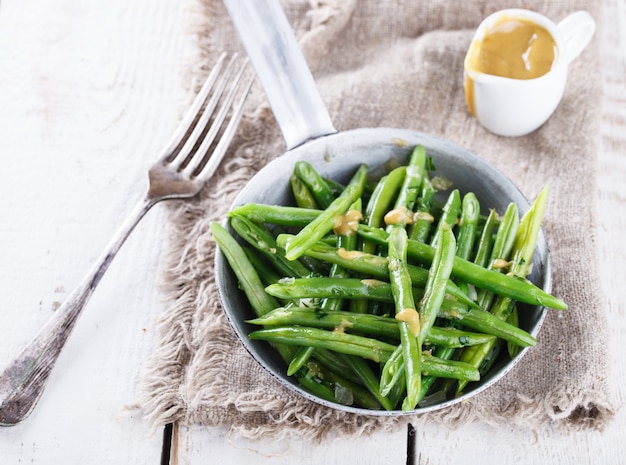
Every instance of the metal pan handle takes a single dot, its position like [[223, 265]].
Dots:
[[281, 68]]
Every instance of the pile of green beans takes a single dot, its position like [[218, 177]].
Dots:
[[377, 295]]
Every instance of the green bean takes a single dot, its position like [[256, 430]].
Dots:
[[399, 217], [503, 243], [365, 324], [347, 242], [321, 225], [487, 323], [318, 387], [392, 372], [526, 239], [448, 369], [438, 276], [372, 265], [483, 253], [383, 196], [406, 313], [249, 280], [266, 272], [507, 232], [276, 214], [415, 172], [409, 190], [420, 229], [300, 359], [470, 212], [334, 386], [365, 373], [435, 293], [335, 187], [439, 368], [485, 243], [449, 215], [515, 288], [301, 193], [513, 320], [386, 190], [370, 349], [455, 338], [323, 287], [259, 237], [329, 303], [350, 393], [397, 392], [522, 254], [335, 363], [350, 288], [314, 182]]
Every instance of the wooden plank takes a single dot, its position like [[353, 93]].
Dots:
[[196, 443], [89, 92]]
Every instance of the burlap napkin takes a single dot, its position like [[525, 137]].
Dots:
[[393, 63]]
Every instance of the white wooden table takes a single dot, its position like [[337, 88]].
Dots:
[[89, 91]]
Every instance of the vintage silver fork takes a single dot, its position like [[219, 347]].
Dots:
[[187, 163]]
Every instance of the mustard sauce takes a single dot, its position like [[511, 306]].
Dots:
[[468, 86], [348, 223], [516, 49], [400, 215], [411, 317], [512, 48]]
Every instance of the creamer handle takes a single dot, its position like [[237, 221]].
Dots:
[[281, 68], [577, 30]]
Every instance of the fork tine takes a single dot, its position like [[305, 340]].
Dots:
[[190, 116], [228, 134], [202, 122], [214, 157]]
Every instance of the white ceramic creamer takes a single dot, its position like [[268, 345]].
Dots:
[[515, 70]]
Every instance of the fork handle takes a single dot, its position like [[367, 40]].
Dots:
[[22, 382]]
